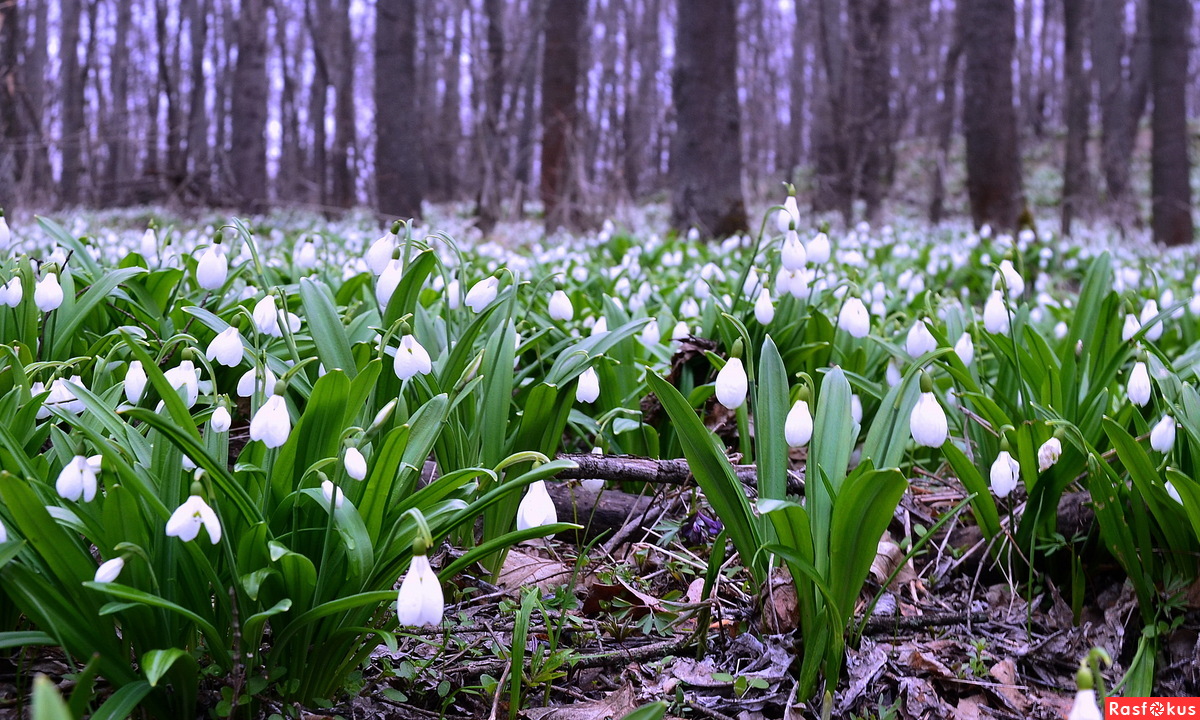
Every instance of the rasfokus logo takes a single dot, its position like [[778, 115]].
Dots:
[[1139, 707]]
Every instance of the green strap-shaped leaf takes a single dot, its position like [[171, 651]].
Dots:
[[328, 331], [770, 414]]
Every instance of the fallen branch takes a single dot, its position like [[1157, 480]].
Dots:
[[630, 468]]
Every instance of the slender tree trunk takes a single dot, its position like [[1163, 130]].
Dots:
[[168, 78], [1076, 177], [706, 156], [523, 157], [317, 17], [38, 175], [989, 120], [399, 163], [945, 123], [799, 89], [1169, 165], [869, 90], [290, 183], [1122, 97], [72, 104], [830, 141], [197, 130], [249, 109], [451, 125], [487, 200], [12, 130], [344, 191], [560, 78], [118, 172]]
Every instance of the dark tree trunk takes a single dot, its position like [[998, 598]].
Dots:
[[451, 124], [641, 104], [168, 78], [317, 17], [197, 125], [12, 130], [869, 90], [799, 89], [989, 120], [1121, 99], [706, 155], [1077, 180], [290, 183], [72, 104], [38, 175], [560, 78], [343, 194], [249, 109], [487, 200], [117, 172], [1169, 189], [399, 166], [945, 122], [832, 191], [523, 157]]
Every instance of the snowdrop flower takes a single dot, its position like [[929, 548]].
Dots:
[[1130, 328], [588, 388], [381, 251], [187, 519], [892, 374], [187, 378], [248, 380], [5, 233], [798, 427], [689, 308], [332, 493], [1149, 310], [355, 464], [149, 245], [388, 281], [1139, 385], [560, 307], [12, 291], [919, 340], [1171, 491], [420, 600], [48, 294], [601, 326], [651, 335], [854, 318], [61, 396], [108, 571], [856, 409], [800, 286], [1012, 279], [1005, 473], [226, 348], [135, 382], [1048, 454], [995, 314], [212, 268], [483, 293], [306, 257], [453, 295], [927, 422], [1162, 435], [77, 479], [732, 384], [965, 349], [411, 359], [818, 249], [536, 508], [764, 310], [1060, 330], [1085, 707], [793, 256], [4, 532], [271, 423], [266, 318], [220, 420], [681, 331], [787, 218]]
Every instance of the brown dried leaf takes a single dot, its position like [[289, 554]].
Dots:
[[525, 570], [616, 704]]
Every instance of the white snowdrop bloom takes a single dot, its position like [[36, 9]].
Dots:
[[764, 309], [332, 493], [185, 377], [48, 294], [536, 508], [588, 388], [212, 268], [1162, 435], [77, 480], [5, 233], [149, 245], [13, 293], [388, 281], [995, 314], [1005, 474], [248, 380], [1171, 491], [601, 326], [1155, 331], [701, 289], [411, 359], [226, 348], [580, 274], [819, 249], [689, 308], [271, 423], [927, 422], [135, 382], [1084, 707], [1012, 279], [306, 256], [560, 307], [266, 317], [454, 295], [420, 600], [355, 464], [483, 293], [783, 281], [220, 420], [732, 384], [798, 427], [856, 409], [892, 374], [1138, 388], [792, 255], [623, 287], [380, 252], [650, 335], [1048, 454], [681, 331], [1130, 328], [919, 340], [1167, 300], [789, 216], [752, 285], [109, 570], [801, 285], [965, 349], [3, 533], [188, 518], [1060, 330], [854, 319]]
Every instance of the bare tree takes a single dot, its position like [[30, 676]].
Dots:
[[342, 72], [249, 110], [197, 123], [1077, 180], [487, 199], [1170, 168], [399, 165], [560, 77], [989, 120], [73, 119], [1122, 67]]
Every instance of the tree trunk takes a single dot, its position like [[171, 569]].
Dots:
[[706, 155], [399, 165], [12, 130], [168, 77], [1077, 179], [1169, 165], [344, 191], [945, 122], [560, 77], [830, 141], [197, 125], [799, 89], [38, 175], [989, 120], [641, 103], [249, 109], [868, 90], [72, 104], [290, 182], [317, 17], [487, 200]]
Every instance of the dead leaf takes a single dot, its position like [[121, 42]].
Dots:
[[1009, 690], [524, 570], [616, 704], [968, 708], [888, 557], [781, 606]]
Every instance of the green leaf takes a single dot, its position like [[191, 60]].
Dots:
[[770, 414], [328, 331], [48, 704], [156, 663]]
